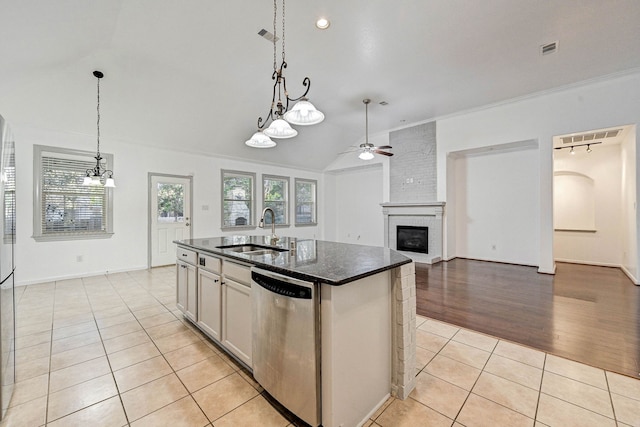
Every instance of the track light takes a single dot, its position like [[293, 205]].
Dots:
[[573, 151]]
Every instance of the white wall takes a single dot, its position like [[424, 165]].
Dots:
[[496, 195], [357, 194], [340, 211], [602, 247], [629, 200], [600, 104], [127, 249]]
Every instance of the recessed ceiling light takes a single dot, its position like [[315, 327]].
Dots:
[[323, 23]]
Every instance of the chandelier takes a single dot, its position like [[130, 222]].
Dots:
[[303, 113], [99, 172]]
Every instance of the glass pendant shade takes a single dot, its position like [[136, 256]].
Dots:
[[303, 113], [110, 183], [280, 129], [260, 140], [86, 180], [366, 155], [95, 181]]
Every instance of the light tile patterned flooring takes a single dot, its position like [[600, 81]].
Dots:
[[114, 351]]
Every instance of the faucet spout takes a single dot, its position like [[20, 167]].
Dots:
[[274, 238]]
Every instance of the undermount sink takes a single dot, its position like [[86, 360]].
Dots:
[[252, 249]]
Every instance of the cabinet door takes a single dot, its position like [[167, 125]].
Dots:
[[209, 303], [236, 311], [192, 293], [181, 286]]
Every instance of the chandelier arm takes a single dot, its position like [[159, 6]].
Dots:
[[263, 123], [306, 83]]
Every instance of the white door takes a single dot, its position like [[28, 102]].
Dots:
[[170, 216]]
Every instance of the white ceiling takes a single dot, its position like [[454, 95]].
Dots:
[[194, 75]]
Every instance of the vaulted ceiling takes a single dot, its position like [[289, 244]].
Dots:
[[195, 75]]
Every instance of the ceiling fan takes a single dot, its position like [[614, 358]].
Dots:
[[367, 148]]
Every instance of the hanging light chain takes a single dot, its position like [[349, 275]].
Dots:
[[98, 121], [282, 30], [275, 8]]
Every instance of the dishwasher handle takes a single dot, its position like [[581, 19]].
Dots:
[[282, 287]]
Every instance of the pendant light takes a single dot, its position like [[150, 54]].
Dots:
[[260, 140], [94, 176], [303, 113]]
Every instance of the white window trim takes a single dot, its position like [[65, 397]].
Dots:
[[287, 222], [315, 203], [250, 226], [37, 197]]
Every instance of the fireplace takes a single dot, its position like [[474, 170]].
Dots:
[[412, 216], [412, 239]]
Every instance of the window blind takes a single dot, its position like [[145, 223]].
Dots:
[[68, 207]]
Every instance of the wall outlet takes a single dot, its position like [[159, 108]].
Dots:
[[205, 207], [493, 247], [79, 258]]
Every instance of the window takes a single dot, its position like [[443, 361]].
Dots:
[[305, 202], [276, 196], [64, 209], [8, 176], [237, 199]]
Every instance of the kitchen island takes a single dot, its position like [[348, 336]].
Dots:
[[366, 311]]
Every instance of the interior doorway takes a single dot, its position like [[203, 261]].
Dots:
[[169, 216], [594, 198]]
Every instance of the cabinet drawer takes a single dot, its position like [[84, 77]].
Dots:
[[209, 263], [238, 272], [186, 255]]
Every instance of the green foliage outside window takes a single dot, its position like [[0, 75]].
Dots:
[[170, 202], [276, 195]]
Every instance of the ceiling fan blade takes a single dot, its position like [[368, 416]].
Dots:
[[384, 153], [384, 147]]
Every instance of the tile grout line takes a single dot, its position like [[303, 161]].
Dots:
[[173, 371], [106, 355], [613, 408], [544, 364]]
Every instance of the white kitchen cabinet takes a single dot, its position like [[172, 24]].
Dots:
[[236, 311], [186, 280], [210, 303]]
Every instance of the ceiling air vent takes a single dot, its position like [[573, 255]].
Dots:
[[548, 48], [591, 136], [267, 35]]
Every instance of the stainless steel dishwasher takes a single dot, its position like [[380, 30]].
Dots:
[[286, 336]]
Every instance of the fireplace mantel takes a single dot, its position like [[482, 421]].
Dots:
[[426, 214]]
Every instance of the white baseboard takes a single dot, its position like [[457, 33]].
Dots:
[[78, 276], [577, 261], [629, 275], [552, 271]]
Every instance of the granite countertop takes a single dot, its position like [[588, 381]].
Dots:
[[313, 260]]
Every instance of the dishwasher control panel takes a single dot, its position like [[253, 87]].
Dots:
[[281, 287]]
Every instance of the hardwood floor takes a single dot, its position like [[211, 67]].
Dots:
[[585, 313]]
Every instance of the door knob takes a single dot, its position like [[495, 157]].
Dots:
[[187, 224]]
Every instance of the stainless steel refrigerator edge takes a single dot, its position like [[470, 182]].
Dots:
[[7, 265]]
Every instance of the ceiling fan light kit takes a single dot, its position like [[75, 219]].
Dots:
[[303, 112]]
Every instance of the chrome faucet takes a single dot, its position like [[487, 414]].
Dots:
[[274, 238]]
